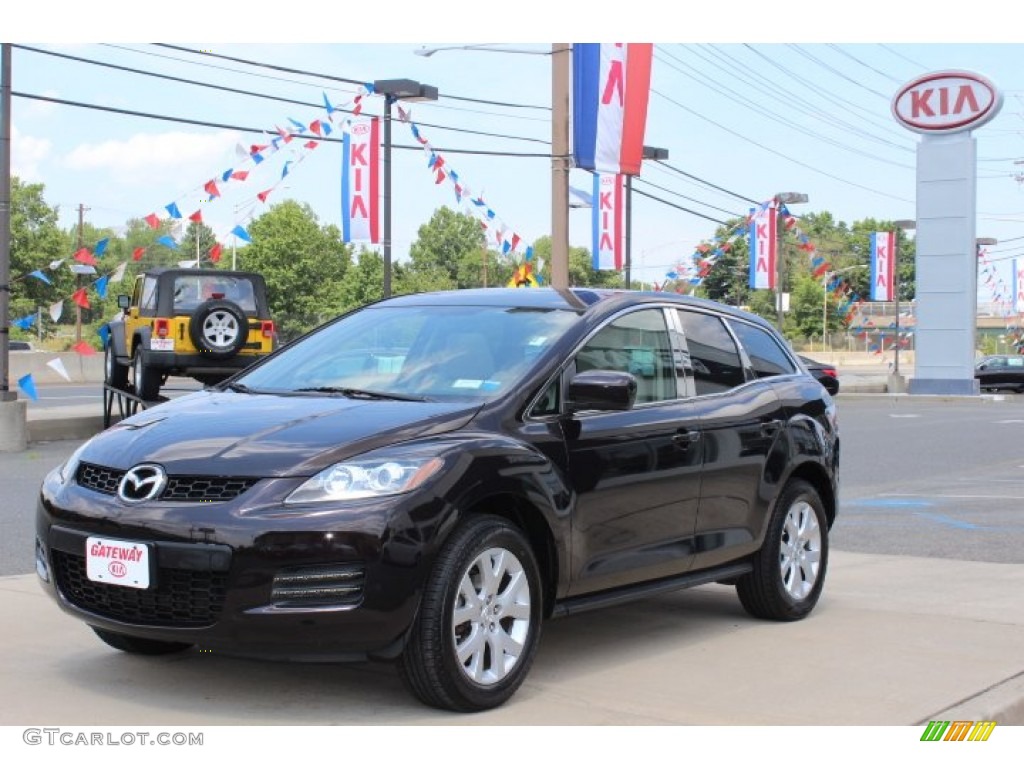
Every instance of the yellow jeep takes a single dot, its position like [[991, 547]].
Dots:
[[203, 323]]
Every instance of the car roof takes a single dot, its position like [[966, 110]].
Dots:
[[578, 299]]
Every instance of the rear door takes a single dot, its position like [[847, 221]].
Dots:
[[741, 420]]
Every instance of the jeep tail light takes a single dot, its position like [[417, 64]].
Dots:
[[267, 326], [162, 327]]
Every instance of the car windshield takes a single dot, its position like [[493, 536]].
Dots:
[[428, 352]]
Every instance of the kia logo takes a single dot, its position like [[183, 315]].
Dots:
[[946, 102], [360, 129], [117, 569], [143, 482]]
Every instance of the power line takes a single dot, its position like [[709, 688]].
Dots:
[[685, 197], [877, 71], [679, 207], [776, 152], [256, 94], [250, 129], [336, 78], [681, 172]]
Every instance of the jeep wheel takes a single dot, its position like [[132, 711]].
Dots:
[[474, 638], [114, 374], [219, 328], [145, 380], [140, 645], [789, 570]]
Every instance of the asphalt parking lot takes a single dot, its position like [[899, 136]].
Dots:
[[921, 616]]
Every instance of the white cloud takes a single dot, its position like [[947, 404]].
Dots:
[[177, 158], [26, 154]]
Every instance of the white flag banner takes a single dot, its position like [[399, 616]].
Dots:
[[56, 310], [118, 275], [58, 365]]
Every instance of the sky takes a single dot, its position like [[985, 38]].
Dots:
[[744, 102]]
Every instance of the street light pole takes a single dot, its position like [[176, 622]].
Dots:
[[561, 67], [901, 225], [783, 198], [649, 153], [392, 91]]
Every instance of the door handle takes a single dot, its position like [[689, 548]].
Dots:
[[684, 438], [769, 428]]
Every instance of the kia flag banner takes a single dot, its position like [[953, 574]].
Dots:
[[607, 221], [763, 246], [883, 248], [611, 84], [360, 182]]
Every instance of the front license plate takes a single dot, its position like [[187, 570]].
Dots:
[[124, 563], [162, 345]]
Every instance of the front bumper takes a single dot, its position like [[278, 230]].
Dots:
[[229, 577]]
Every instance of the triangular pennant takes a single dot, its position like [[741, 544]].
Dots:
[[54, 264], [311, 144], [211, 188], [240, 175], [38, 275], [137, 253], [101, 246], [315, 127], [168, 242], [58, 365], [84, 348], [239, 232], [153, 221], [327, 105], [226, 175], [262, 196], [101, 286], [83, 256], [26, 322], [215, 253], [118, 274], [197, 217], [81, 298], [27, 385], [56, 310], [172, 210]]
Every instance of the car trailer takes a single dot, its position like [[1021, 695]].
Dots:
[[128, 403]]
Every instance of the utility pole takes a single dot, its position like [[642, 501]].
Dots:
[[561, 67]]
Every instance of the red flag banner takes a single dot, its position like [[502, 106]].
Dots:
[[137, 253], [153, 221], [81, 298], [197, 217], [215, 253], [82, 255], [84, 348], [211, 188]]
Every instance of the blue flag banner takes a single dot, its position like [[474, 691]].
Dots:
[[101, 247], [172, 210], [25, 322], [240, 233], [38, 275], [168, 241], [101, 286], [28, 386]]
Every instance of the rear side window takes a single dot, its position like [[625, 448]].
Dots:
[[766, 356], [713, 354]]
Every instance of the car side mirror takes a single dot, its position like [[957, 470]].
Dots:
[[124, 301], [599, 390], [982, 367]]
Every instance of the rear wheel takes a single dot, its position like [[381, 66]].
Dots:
[[114, 374], [145, 380], [140, 645], [473, 641], [789, 570]]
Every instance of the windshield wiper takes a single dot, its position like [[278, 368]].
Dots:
[[363, 394], [235, 387]]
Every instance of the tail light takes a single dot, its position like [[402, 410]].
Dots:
[[162, 327], [831, 372], [267, 326]]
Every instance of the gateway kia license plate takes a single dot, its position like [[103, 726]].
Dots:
[[124, 563]]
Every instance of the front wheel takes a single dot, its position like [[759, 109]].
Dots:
[[789, 569], [476, 633], [140, 645]]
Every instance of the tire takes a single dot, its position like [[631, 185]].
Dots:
[[219, 328], [140, 645], [145, 379], [114, 374], [509, 613], [789, 570]]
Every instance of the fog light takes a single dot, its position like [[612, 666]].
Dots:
[[42, 569]]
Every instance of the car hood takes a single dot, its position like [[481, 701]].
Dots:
[[248, 435]]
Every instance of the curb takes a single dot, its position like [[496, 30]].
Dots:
[[1001, 703]]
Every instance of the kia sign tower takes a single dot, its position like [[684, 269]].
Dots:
[[944, 107]]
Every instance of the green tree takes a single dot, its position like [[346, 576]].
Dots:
[[581, 267], [364, 281], [303, 264], [452, 243], [187, 250], [36, 241]]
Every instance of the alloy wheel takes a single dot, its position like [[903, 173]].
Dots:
[[800, 550]]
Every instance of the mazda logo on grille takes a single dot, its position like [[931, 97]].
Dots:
[[143, 482]]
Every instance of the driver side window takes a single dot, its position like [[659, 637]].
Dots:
[[637, 343]]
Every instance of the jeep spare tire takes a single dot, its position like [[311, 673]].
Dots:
[[218, 328]]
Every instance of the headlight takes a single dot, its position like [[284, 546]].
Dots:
[[366, 478]]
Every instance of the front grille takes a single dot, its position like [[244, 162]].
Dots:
[[179, 598], [206, 488], [338, 584], [102, 479], [179, 487]]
